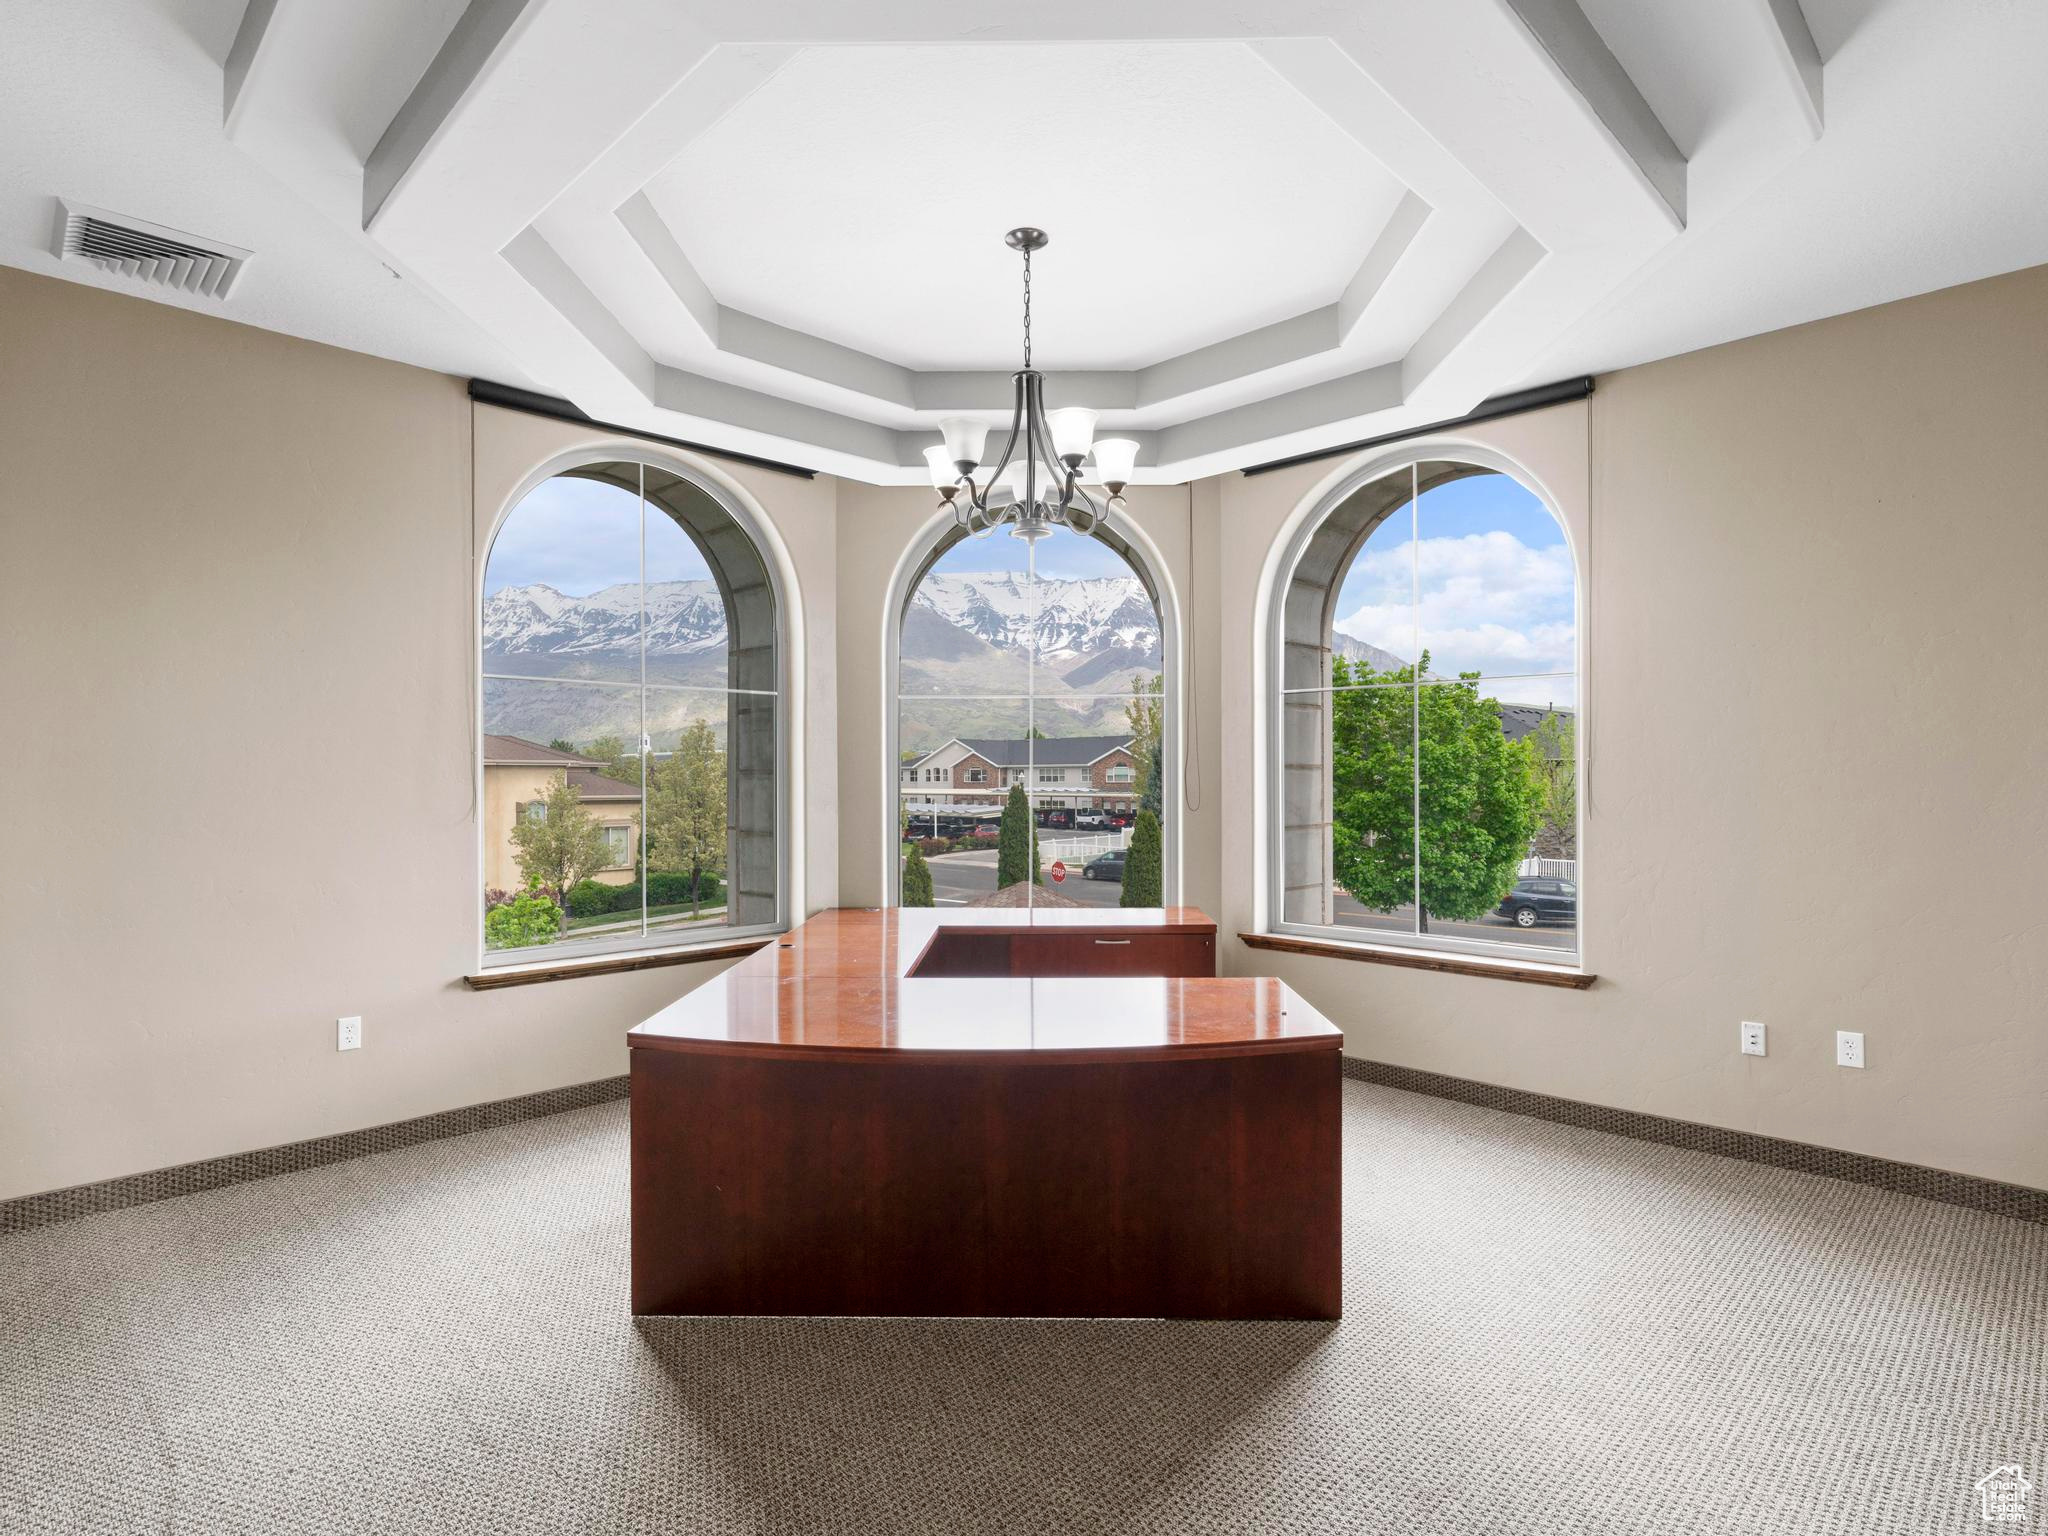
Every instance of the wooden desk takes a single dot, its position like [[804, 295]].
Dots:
[[976, 1113]]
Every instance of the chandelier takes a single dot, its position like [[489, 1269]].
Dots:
[[1036, 484]]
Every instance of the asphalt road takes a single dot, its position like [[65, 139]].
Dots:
[[959, 877]]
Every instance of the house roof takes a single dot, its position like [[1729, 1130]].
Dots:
[[1518, 720], [592, 785], [517, 751], [1048, 752]]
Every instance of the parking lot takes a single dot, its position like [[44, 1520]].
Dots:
[[958, 878]]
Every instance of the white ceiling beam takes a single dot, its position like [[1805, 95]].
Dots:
[[1395, 241], [478, 34], [1799, 56], [1585, 60], [243, 53]]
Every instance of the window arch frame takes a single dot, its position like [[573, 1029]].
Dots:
[[939, 534], [1284, 560], [753, 522]]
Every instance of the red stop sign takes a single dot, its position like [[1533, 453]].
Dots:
[[1059, 871]]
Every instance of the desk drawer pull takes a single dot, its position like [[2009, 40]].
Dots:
[[1112, 941]]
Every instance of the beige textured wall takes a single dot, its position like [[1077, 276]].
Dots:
[[235, 620], [1817, 728]]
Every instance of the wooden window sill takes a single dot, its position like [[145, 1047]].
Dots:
[[611, 965], [1422, 960]]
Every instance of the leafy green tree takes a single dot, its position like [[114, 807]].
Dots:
[[1145, 711], [917, 878], [1479, 793], [1554, 743], [686, 809], [1151, 797], [561, 842], [1017, 846], [563, 744], [1145, 865], [527, 919], [614, 761]]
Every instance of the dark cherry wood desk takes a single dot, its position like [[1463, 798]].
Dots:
[[987, 1113]]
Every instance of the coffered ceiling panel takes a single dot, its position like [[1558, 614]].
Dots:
[[779, 228]]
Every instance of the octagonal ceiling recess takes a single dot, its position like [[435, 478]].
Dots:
[[1191, 193], [779, 229]]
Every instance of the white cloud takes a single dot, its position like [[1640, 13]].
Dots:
[[1488, 603]]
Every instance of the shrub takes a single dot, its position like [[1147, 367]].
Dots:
[[588, 898], [1144, 865], [529, 918], [625, 898], [917, 878], [930, 846], [665, 888]]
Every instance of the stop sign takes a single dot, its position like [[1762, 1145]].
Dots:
[[1059, 871]]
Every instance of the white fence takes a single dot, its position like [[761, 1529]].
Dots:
[[1080, 849], [1549, 869]]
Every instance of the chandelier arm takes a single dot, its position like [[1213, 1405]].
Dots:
[[1042, 440], [1018, 416]]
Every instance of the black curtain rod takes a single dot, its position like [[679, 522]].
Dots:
[[484, 392], [1511, 404]]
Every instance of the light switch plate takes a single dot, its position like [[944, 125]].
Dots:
[[1848, 1048], [348, 1034], [1753, 1039]]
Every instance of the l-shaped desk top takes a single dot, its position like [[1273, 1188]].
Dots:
[[860, 981]]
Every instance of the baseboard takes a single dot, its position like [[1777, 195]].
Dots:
[[2014, 1200], [189, 1178]]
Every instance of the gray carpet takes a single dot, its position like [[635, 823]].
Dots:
[[1546, 1330]]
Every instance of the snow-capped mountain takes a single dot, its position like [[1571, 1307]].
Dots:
[[1069, 620], [683, 617]]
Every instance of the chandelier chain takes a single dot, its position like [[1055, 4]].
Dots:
[[1027, 307]]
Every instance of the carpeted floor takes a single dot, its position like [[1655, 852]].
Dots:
[[1546, 1330]]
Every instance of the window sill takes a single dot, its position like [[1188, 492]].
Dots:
[[611, 965], [1420, 960]]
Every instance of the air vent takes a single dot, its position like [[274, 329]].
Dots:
[[169, 258]]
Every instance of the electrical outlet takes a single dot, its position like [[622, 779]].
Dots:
[[1753, 1039], [348, 1034], [1848, 1048]]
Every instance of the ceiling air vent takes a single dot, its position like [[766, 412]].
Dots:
[[169, 258]]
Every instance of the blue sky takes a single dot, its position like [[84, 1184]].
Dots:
[[1062, 556], [581, 536], [1494, 577]]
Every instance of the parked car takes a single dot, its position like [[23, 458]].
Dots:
[[1105, 866], [1534, 901], [1055, 818], [1090, 819], [988, 829], [1119, 821]]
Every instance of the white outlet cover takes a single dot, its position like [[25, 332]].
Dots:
[[348, 1034], [1753, 1039], [1848, 1048]]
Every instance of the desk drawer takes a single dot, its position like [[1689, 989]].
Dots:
[[1135, 954]]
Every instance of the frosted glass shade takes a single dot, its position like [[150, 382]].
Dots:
[[1073, 429], [940, 460], [965, 438], [1114, 459], [1008, 486]]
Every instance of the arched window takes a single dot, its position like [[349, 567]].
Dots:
[[1425, 752], [631, 722], [1034, 700]]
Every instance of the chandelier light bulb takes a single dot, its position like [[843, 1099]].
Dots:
[[1114, 459], [1073, 429], [965, 438]]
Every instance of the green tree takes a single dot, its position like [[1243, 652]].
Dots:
[[557, 842], [614, 761], [1145, 865], [1151, 798], [917, 878], [1017, 846], [527, 919], [686, 809], [1478, 792], [1145, 711], [1554, 744], [563, 744]]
